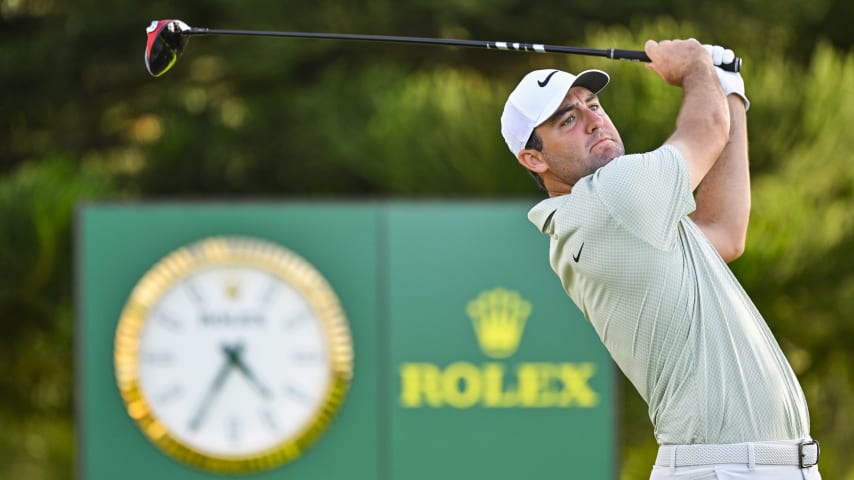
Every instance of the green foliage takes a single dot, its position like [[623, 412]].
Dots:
[[800, 258], [36, 323], [244, 118], [426, 134]]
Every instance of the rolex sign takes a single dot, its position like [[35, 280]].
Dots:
[[498, 317], [495, 372], [333, 340]]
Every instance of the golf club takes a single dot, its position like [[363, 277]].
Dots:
[[167, 39]]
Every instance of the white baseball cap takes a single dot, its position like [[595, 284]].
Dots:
[[537, 97]]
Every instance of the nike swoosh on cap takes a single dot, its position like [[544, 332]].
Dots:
[[545, 81]]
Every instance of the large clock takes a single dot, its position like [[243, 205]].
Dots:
[[233, 354]]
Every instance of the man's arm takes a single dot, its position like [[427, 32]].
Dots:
[[702, 126], [723, 197]]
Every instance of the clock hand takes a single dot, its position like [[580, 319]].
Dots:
[[237, 360], [213, 389]]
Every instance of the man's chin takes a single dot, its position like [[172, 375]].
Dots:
[[603, 158], [607, 149]]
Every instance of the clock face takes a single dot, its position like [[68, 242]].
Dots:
[[233, 354]]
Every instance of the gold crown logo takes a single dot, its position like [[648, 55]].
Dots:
[[499, 318], [232, 288]]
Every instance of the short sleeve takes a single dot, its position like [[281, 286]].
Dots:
[[647, 193]]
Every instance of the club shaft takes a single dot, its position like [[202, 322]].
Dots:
[[612, 53]]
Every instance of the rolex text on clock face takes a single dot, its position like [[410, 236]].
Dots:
[[233, 360]]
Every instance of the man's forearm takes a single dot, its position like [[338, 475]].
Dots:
[[723, 197]]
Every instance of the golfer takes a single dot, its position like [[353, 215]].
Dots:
[[641, 244]]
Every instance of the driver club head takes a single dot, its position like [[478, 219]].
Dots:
[[166, 41]]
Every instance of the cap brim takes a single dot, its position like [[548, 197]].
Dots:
[[593, 80]]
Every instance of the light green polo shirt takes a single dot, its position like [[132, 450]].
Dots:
[[667, 307]]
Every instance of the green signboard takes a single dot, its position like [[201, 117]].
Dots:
[[468, 360]]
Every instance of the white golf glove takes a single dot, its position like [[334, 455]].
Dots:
[[731, 82]]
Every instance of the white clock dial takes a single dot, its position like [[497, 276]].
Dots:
[[236, 360]]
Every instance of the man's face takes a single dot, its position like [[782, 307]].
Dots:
[[578, 139]]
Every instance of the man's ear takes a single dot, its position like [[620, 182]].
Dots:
[[533, 160]]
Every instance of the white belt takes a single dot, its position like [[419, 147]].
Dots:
[[803, 454]]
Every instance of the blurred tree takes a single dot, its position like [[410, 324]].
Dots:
[[800, 266], [36, 314], [252, 117]]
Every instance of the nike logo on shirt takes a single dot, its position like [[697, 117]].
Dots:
[[578, 255]]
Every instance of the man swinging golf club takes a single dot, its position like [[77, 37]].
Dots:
[[640, 243]]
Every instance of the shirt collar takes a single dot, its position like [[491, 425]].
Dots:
[[542, 213]]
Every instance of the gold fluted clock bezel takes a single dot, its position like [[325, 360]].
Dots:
[[247, 252]]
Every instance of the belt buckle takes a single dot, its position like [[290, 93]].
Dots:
[[801, 453]]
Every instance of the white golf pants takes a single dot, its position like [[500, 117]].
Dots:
[[735, 472]]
